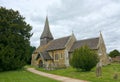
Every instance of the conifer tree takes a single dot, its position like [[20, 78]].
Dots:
[[14, 40]]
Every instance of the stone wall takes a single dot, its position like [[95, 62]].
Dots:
[[102, 51], [70, 42], [116, 59], [58, 58]]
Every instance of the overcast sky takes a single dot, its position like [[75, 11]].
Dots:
[[86, 18]]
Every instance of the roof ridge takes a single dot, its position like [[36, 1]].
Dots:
[[60, 38], [88, 39]]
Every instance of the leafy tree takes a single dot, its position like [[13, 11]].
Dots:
[[14, 40], [114, 53], [32, 48], [84, 58]]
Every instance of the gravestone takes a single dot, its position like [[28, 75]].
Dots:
[[99, 69]]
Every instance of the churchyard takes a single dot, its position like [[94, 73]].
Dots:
[[108, 73]]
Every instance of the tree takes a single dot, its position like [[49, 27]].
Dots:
[[114, 53], [32, 48], [14, 40], [84, 58]]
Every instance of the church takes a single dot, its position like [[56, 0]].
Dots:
[[55, 53]]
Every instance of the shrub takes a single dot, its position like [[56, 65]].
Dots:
[[84, 58]]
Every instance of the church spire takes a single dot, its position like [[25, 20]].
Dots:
[[46, 34]]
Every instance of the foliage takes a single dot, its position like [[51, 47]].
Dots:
[[84, 58], [32, 48], [114, 53], [23, 76], [14, 40]]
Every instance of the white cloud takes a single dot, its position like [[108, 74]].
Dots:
[[85, 17]]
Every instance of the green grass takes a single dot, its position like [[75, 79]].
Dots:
[[22, 76], [107, 73]]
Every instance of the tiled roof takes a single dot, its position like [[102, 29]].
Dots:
[[91, 43], [46, 55], [58, 43], [42, 50], [52, 45]]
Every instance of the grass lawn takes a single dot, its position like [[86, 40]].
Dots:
[[107, 73], [22, 76]]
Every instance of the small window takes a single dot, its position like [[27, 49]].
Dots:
[[61, 55], [52, 55], [56, 56]]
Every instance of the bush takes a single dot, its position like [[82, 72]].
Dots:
[[84, 58]]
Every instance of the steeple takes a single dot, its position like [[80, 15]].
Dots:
[[46, 34]]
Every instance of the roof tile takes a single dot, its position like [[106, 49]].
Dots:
[[58, 43], [92, 43]]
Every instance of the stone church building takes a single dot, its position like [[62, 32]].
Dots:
[[55, 53]]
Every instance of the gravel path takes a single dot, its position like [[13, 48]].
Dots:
[[56, 77]]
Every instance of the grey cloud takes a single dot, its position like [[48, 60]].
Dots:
[[85, 17]]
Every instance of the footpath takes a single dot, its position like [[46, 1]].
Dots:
[[56, 77]]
